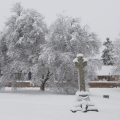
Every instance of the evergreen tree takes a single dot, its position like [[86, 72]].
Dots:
[[107, 56]]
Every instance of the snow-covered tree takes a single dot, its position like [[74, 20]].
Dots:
[[117, 56], [41, 73], [108, 54], [65, 40], [24, 33], [32, 48], [4, 59]]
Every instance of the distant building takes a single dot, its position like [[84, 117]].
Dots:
[[106, 73]]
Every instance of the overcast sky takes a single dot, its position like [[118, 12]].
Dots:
[[103, 16]]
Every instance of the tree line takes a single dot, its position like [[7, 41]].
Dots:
[[27, 44]]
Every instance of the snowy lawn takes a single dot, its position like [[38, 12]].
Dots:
[[31, 104]]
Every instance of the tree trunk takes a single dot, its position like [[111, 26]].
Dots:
[[42, 86]]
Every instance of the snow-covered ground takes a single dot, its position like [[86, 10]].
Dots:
[[31, 104]]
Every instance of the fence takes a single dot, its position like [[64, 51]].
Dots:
[[103, 84]]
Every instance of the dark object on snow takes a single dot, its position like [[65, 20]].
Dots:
[[106, 96]]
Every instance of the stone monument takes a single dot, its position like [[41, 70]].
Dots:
[[80, 63], [83, 102]]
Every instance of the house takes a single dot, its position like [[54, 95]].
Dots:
[[106, 78], [106, 73]]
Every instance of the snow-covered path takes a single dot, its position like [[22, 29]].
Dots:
[[35, 105]]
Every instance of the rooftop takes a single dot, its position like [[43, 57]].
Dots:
[[106, 70]]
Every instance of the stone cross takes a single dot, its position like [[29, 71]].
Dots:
[[80, 63]]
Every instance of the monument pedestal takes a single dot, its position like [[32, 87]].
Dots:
[[83, 103]]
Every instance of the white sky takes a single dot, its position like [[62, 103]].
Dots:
[[103, 16]]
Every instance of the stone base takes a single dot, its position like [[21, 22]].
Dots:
[[83, 103], [82, 93], [90, 108]]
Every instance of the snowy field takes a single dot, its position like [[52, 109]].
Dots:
[[31, 104]]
